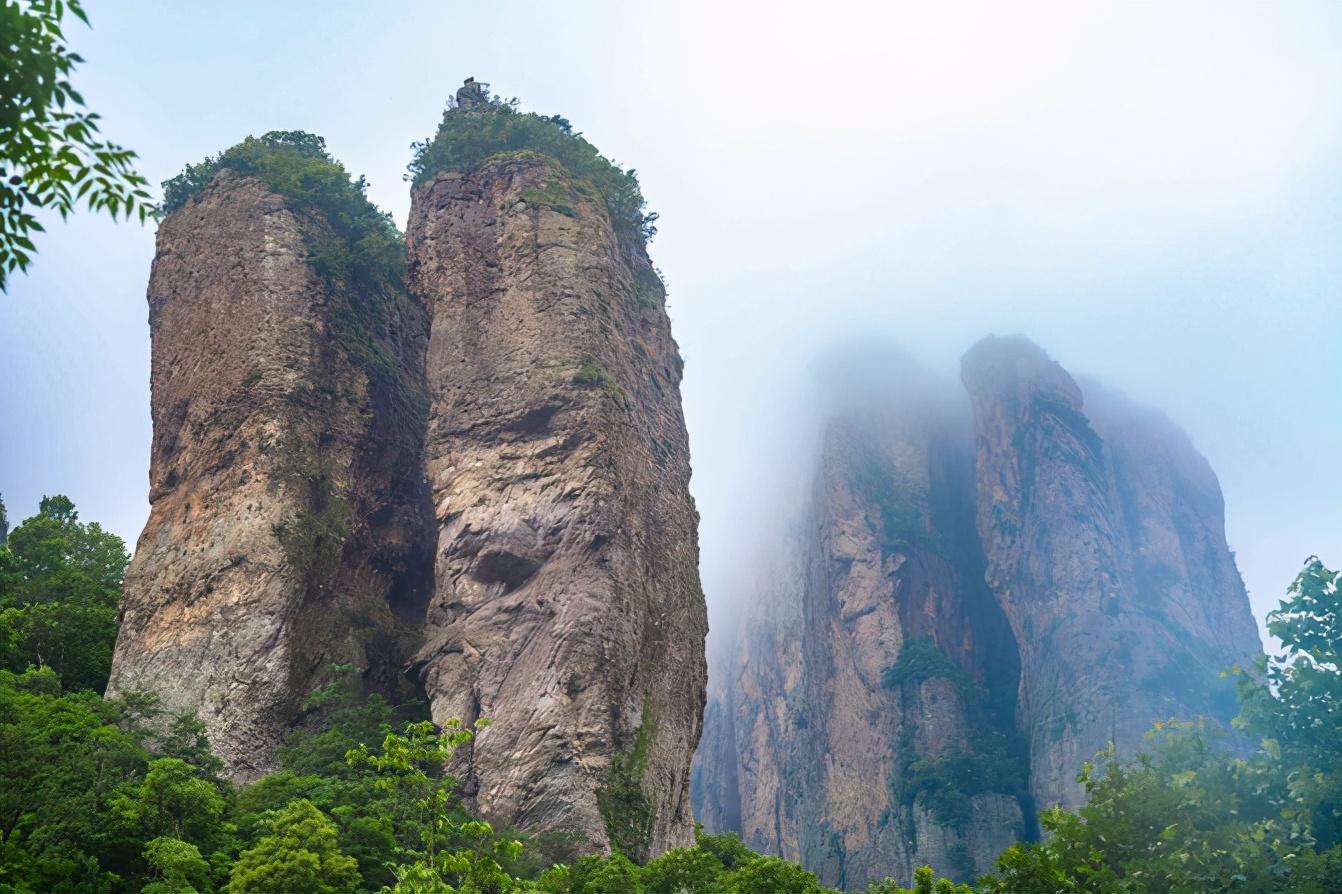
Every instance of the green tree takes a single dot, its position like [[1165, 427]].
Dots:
[[62, 760], [51, 153], [300, 853], [1294, 703], [615, 875], [60, 581], [171, 801], [772, 875], [728, 847], [350, 717], [925, 881], [462, 852], [178, 868], [683, 869]]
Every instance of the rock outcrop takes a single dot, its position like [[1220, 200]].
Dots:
[[1104, 533], [978, 599], [288, 519], [567, 607], [876, 664], [474, 489]]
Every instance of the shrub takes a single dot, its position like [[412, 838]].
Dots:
[[465, 139], [368, 250], [920, 659]]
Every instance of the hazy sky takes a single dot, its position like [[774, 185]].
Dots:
[[1153, 192]]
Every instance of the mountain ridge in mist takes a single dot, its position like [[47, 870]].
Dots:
[[978, 594]]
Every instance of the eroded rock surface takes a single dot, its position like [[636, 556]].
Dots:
[[1104, 532], [977, 601], [813, 749], [288, 507], [568, 608]]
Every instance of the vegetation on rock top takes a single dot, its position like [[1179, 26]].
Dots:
[[468, 138], [296, 165]]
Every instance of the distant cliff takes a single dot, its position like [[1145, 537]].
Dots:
[[1105, 536], [945, 641]]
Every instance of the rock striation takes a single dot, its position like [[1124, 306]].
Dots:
[[288, 511], [977, 598], [567, 606], [1105, 537], [467, 478]]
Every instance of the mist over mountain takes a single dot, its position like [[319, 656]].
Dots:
[[968, 600]]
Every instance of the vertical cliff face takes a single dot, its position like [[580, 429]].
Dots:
[[862, 722], [567, 606], [288, 509], [968, 611], [1105, 543]]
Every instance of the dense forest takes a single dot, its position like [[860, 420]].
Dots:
[[110, 795]]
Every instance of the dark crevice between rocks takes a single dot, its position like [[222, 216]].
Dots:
[[952, 508]]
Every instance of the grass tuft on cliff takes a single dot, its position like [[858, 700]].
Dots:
[[467, 138], [369, 250]]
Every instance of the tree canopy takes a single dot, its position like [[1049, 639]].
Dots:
[[60, 581], [467, 138]]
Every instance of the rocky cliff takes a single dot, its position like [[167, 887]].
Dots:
[[1104, 533], [567, 605], [288, 523], [321, 434], [976, 600], [876, 673]]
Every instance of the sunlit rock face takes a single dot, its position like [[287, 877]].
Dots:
[[289, 514], [568, 608], [977, 598]]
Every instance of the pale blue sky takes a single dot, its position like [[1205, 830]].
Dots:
[[1153, 192]]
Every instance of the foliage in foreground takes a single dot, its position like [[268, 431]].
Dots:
[[1189, 816], [51, 154], [112, 796]]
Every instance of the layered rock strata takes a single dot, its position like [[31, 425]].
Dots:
[[567, 608], [288, 519], [978, 600]]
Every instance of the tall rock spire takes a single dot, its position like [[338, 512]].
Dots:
[[968, 611], [288, 513], [568, 608]]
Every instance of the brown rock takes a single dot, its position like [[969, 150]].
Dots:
[[568, 608], [287, 519]]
